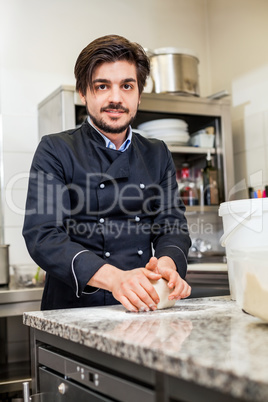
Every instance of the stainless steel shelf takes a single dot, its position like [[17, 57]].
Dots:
[[17, 295], [58, 112], [13, 375], [201, 208], [190, 150], [15, 302]]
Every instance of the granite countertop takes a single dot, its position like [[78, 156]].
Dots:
[[209, 341]]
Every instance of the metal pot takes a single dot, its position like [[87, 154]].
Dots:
[[175, 71], [4, 264]]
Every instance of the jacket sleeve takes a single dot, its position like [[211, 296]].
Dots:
[[47, 208], [170, 236]]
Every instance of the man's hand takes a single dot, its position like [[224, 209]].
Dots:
[[134, 290], [167, 268], [131, 288]]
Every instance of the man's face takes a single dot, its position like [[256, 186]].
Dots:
[[113, 102]]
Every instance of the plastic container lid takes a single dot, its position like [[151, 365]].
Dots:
[[242, 206]]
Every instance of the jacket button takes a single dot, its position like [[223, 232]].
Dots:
[[101, 220], [140, 252], [107, 254], [102, 185], [137, 218], [142, 185]]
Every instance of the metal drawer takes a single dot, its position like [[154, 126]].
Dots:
[[93, 379], [57, 389]]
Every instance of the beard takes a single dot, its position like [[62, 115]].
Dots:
[[105, 127]]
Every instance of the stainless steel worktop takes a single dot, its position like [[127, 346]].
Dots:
[[17, 295], [15, 301]]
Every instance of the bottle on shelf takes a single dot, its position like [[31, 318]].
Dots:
[[200, 186], [210, 183], [187, 188]]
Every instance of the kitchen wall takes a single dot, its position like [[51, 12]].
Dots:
[[40, 42], [237, 36]]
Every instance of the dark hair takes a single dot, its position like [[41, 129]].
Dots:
[[108, 49]]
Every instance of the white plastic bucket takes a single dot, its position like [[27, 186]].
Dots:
[[249, 281], [254, 298], [245, 225]]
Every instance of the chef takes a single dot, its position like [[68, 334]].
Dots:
[[103, 216]]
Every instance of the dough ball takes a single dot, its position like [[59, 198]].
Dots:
[[163, 291]]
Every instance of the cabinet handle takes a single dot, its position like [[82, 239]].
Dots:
[[62, 388]]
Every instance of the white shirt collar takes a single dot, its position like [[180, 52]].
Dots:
[[109, 143]]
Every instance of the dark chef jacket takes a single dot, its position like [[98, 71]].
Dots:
[[88, 205]]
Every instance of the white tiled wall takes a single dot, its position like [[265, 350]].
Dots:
[[250, 130], [237, 32], [19, 142], [251, 150], [39, 44]]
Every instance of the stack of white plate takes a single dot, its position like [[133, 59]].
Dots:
[[172, 131]]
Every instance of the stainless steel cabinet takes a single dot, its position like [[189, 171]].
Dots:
[[64, 371], [203, 221], [198, 113], [60, 111], [68, 378], [63, 110], [15, 369]]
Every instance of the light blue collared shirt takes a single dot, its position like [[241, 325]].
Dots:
[[109, 143]]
